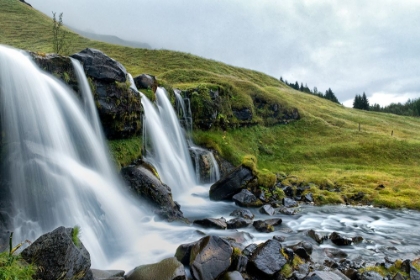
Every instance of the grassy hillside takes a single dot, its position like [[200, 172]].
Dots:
[[326, 147]]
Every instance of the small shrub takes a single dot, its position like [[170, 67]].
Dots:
[[75, 234]]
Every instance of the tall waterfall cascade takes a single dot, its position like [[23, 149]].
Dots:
[[57, 165]]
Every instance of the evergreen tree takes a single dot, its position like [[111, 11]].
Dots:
[[329, 94], [365, 102]]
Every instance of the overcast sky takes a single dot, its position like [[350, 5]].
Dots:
[[349, 46]]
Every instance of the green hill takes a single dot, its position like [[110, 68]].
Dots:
[[342, 151]]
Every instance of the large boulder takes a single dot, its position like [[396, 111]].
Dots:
[[58, 257], [230, 185], [210, 258], [246, 198], [267, 260], [146, 185], [167, 269], [100, 66]]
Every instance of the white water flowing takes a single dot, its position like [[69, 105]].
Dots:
[[58, 169], [166, 146]]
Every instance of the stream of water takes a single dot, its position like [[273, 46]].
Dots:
[[60, 174]]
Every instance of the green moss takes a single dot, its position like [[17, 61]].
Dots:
[[13, 267], [125, 151], [250, 161], [266, 178], [75, 235]]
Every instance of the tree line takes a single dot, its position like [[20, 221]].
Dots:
[[329, 94], [409, 108]]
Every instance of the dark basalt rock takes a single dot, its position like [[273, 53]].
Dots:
[[308, 198], [414, 273], [267, 209], [212, 223], [239, 263], [327, 275], [107, 274], [183, 252], [210, 258], [144, 184], [249, 250], [243, 213], [233, 183], [146, 81], [289, 191], [289, 202], [58, 256], [371, 275], [287, 211], [263, 226], [167, 269], [316, 236], [339, 240], [238, 223], [232, 275], [246, 199], [267, 259], [100, 66], [203, 163], [244, 114]]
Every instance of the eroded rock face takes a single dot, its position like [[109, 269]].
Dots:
[[159, 196], [233, 183], [100, 66], [267, 259], [59, 257], [167, 269], [210, 258]]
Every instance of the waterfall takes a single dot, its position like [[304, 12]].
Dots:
[[169, 147], [58, 168], [166, 147]]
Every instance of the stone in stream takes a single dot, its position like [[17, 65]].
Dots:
[[212, 223], [210, 258], [327, 275], [58, 256], [339, 240], [243, 213], [143, 183], [266, 225], [267, 209], [246, 199], [183, 252], [249, 250], [233, 183], [232, 275], [108, 274], [414, 273], [238, 223], [167, 269], [316, 236], [289, 202], [267, 259]]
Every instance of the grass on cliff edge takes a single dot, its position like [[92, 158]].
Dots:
[[325, 147]]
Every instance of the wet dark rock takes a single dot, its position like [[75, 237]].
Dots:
[[146, 81], [59, 257], [119, 106], [301, 272], [225, 167], [289, 202], [239, 263], [371, 275], [289, 252], [143, 183], [100, 66], [267, 259], [167, 269], [232, 275], [238, 223], [107, 274], [249, 250], [243, 213], [358, 196], [405, 266], [210, 257], [267, 209], [414, 273], [352, 273], [327, 275], [183, 252], [279, 238], [339, 240], [335, 253], [233, 183], [287, 211], [301, 252], [308, 198], [202, 160], [266, 225], [246, 198], [357, 239], [316, 236], [289, 191], [212, 223], [244, 114]]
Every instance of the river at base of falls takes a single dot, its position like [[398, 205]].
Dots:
[[385, 232]]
